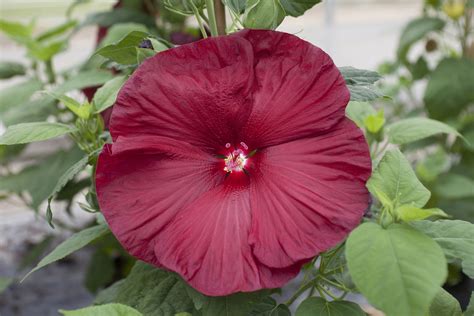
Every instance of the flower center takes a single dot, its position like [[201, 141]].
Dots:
[[236, 158]]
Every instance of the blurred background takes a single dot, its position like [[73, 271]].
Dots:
[[360, 33]]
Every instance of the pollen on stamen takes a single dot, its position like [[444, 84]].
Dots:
[[236, 159]]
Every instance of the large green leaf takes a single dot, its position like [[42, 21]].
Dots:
[[239, 304], [395, 178], [416, 128], [103, 310], [10, 69], [72, 244], [319, 306], [17, 94], [269, 307], [151, 291], [444, 305], [455, 237], [398, 269], [361, 83], [263, 14], [298, 7], [107, 94], [416, 30], [36, 110], [238, 6], [24, 133], [450, 88]]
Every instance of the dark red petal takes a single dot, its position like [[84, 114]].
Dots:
[[299, 91], [207, 244], [197, 93], [307, 195], [143, 182]]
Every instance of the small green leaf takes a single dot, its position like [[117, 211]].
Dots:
[[413, 129], [118, 31], [124, 52], [409, 213], [238, 6], [44, 52], [269, 307], [359, 111], [81, 110], [318, 306], [33, 132], [395, 178], [416, 30], [374, 123], [444, 305], [387, 267], [455, 237], [107, 94], [361, 83], [433, 165], [419, 69], [83, 79], [298, 7], [74, 243], [239, 304], [103, 310], [56, 31], [18, 32], [10, 69], [450, 88], [263, 14], [119, 15]]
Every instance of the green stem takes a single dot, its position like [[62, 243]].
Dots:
[[212, 17], [50, 71], [300, 291], [327, 292], [198, 18]]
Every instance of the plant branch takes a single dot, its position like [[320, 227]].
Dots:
[[220, 16], [212, 17]]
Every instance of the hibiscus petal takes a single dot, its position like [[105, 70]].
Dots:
[[143, 182], [300, 92], [307, 195], [207, 244], [197, 93]]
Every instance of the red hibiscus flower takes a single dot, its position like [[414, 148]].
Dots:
[[232, 161]]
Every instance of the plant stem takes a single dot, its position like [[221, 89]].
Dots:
[[50, 71], [198, 18], [300, 291], [212, 17], [220, 16]]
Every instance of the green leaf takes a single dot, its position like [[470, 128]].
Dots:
[[36, 110], [118, 31], [33, 132], [103, 310], [238, 6], [433, 165], [269, 307], [361, 83], [416, 128], [44, 52], [419, 69], [10, 69], [298, 7], [107, 94], [63, 180], [124, 51], [48, 169], [81, 110], [18, 94], [450, 88], [470, 307], [56, 31], [100, 270], [454, 186], [416, 30], [410, 213], [455, 237], [374, 122], [83, 79], [319, 306], [119, 15], [151, 291], [444, 305], [387, 267], [395, 178], [74, 243], [263, 14], [239, 304], [359, 111], [18, 32]]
